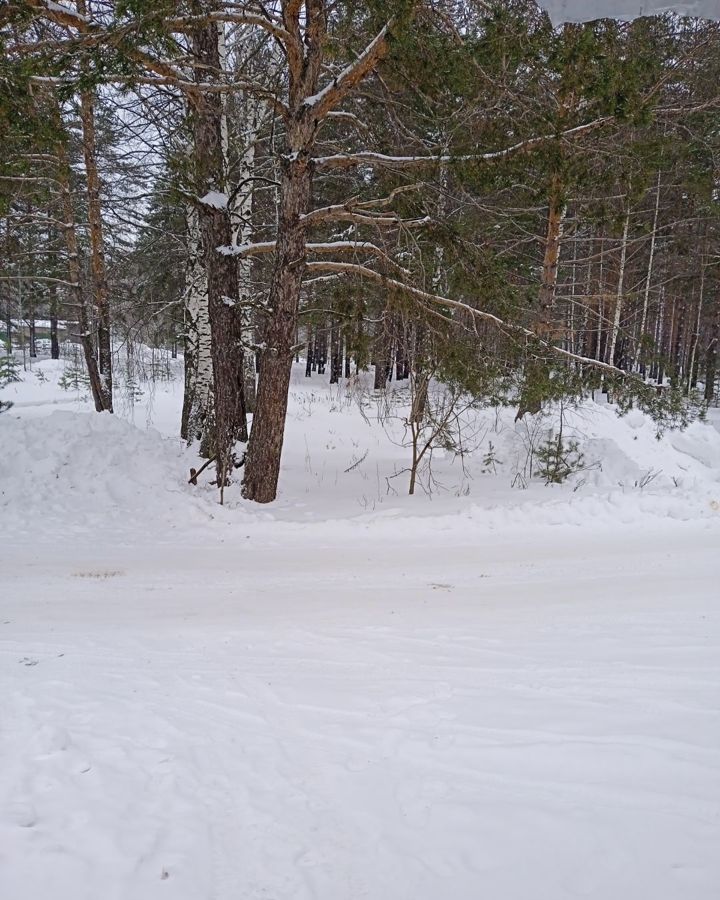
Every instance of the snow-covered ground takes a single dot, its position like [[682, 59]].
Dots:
[[490, 691]]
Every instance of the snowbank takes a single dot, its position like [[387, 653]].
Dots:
[[345, 462], [86, 469]]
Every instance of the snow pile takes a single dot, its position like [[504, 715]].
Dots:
[[84, 469], [345, 459]]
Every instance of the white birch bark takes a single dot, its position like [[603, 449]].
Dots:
[[242, 234], [197, 410]]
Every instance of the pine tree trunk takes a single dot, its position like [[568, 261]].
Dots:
[[692, 368], [711, 359], [321, 350], [383, 354], [335, 352], [617, 318], [32, 342], [310, 353], [347, 359], [54, 343], [648, 277], [531, 395], [262, 465]]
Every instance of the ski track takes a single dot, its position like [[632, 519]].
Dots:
[[427, 728]]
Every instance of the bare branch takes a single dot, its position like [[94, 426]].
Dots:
[[350, 160], [334, 93], [448, 303]]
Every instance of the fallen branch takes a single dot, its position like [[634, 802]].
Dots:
[[194, 473]]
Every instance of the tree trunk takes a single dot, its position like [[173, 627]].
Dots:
[[335, 352], [620, 289], [347, 359], [383, 354], [692, 369], [306, 27], [32, 342], [531, 395], [648, 277], [242, 220], [310, 353], [209, 133], [711, 361], [262, 466], [97, 246], [74, 274], [54, 342], [197, 414]]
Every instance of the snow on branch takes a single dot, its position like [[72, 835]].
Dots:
[[262, 247], [63, 15], [346, 213], [215, 200], [446, 302], [188, 23], [332, 94], [367, 157]]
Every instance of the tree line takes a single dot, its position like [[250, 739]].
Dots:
[[450, 190]]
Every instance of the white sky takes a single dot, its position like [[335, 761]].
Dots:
[[584, 10]]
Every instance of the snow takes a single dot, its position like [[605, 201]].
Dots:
[[585, 10], [215, 199], [66, 11], [353, 693]]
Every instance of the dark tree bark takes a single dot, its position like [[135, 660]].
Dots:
[[711, 358], [320, 349], [383, 356], [335, 352], [54, 342], [32, 342], [309, 362], [305, 37], [531, 396], [262, 466]]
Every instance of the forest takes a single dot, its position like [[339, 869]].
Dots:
[[360, 441], [446, 192]]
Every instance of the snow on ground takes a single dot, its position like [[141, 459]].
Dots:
[[486, 692]]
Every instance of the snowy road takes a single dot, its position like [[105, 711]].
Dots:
[[297, 715]]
